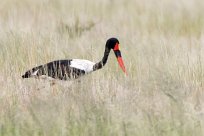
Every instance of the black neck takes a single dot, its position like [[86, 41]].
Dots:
[[101, 63]]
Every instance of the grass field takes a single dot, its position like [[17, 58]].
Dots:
[[162, 44]]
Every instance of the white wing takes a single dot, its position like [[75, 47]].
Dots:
[[35, 73], [85, 65]]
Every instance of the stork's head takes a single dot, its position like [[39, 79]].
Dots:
[[113, 43]]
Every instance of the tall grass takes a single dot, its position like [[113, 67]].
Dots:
[[162, 44]]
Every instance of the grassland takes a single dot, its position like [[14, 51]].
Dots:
[[162, 44]]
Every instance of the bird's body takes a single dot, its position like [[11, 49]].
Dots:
[[75, 68], [62, 69]]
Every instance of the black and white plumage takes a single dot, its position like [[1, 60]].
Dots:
[[75, 68]]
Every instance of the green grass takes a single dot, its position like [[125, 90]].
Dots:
[[162, 47]]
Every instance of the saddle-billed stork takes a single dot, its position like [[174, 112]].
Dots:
[[75, 68]]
